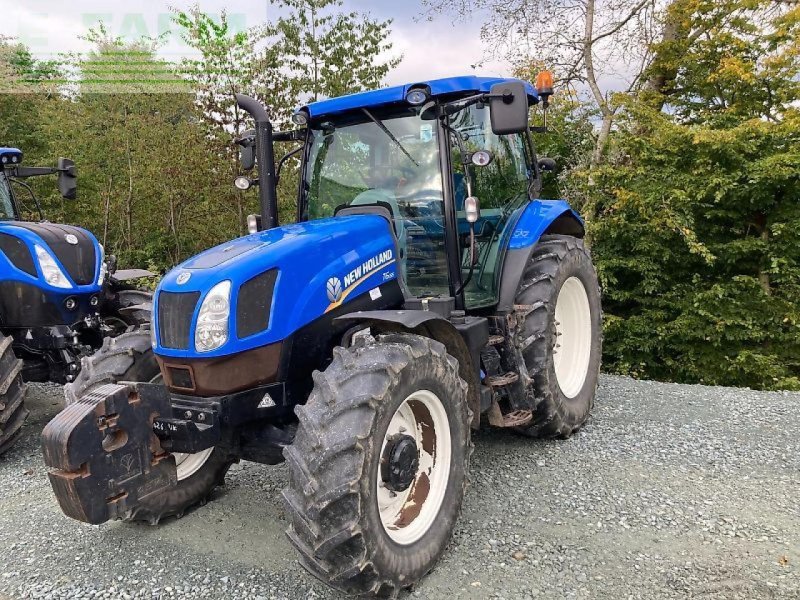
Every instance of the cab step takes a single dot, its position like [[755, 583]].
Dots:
[[496, 381], [516, 418]]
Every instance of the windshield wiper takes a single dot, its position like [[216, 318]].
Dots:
[[390, 134]]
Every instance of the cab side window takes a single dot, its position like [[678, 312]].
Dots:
[[501, 187]]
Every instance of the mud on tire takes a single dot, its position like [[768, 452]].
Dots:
[[332, 496], [555, 260], [129, 357], [12, 395]]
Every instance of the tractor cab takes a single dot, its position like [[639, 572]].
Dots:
[[421, 151]]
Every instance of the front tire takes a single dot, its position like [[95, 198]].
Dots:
[[560, 342], [129, 357], [12, 395], [379, 465]]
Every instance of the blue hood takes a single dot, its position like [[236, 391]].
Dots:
[[321, 264], [76, 252]]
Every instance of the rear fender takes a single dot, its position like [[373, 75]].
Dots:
[[540, 217]]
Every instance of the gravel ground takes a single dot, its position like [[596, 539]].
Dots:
[[671, 491]]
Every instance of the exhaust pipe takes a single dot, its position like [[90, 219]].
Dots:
[[265, 158]]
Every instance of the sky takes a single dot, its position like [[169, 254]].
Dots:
[[430, 49]]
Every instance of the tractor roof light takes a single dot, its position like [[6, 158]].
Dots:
[[11, 158], [300, 118], [242, 183], [417, 96], [544, 83]]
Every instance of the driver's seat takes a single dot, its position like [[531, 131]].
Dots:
[[381, 200]]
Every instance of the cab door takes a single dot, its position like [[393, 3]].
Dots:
[[501, 187]]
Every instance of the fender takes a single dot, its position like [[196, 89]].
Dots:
[[464, 338], [538, 218]]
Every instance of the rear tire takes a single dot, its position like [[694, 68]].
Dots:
[[562, 359], [350, 531], [129, 357], [12, 395]]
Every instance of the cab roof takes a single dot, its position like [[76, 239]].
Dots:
[[451, 86]]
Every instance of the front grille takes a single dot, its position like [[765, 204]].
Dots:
[[17, 253], [79, 258], [254, 303], [175, 312]]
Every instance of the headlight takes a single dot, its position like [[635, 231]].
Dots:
[[52, 274], [103, 266], [212, 321]]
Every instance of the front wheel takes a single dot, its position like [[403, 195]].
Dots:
[[378, 467], [12, 395], [129, 357]]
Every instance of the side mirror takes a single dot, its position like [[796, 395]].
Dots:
[[509, 108], [247, 150], [547, 164], [67, 179]]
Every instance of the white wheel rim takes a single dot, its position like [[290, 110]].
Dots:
[[407, 515], [573, 344], [187, 464]]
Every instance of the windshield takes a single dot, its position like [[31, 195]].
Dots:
[[6, 202], [391, 158]]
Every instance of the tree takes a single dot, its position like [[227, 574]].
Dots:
[[315, 51], [329, 53], [697, 235], [583, 41]]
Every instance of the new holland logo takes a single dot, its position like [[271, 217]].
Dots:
[[338, 290], [71, 239], [334, 289], [183, 278]]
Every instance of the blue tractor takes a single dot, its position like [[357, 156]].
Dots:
[[59, 297], [424, 289]]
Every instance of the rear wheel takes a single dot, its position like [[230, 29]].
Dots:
[[378, 467], [561, 337], [129, 357], [12, 395]]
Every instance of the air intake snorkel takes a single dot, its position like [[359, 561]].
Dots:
[[265, 158]]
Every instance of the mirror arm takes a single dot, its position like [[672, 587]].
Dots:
[[25, 172], [295, 135], [462, 149]]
